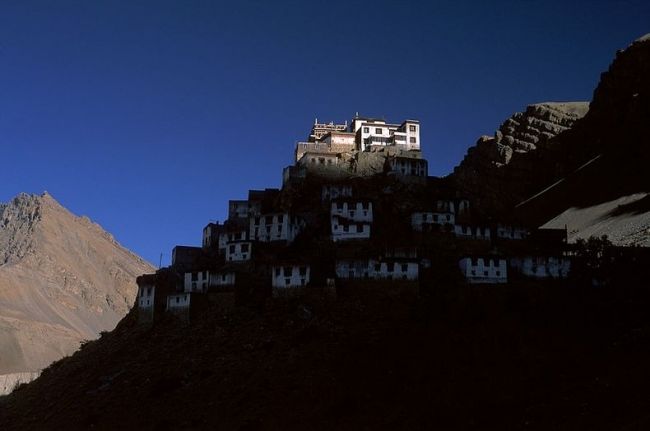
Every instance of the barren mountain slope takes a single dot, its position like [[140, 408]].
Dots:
[[607, 193], [63, 279], [500, 169]]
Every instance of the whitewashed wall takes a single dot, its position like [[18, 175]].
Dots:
[[484, 269], [290, 276], [239, 251]]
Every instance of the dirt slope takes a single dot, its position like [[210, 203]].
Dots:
[[526, 357]]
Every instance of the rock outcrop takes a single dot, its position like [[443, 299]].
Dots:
[[497, 165], [605, 196], [63, 279]]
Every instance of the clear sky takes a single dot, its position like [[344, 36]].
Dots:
[[147, 116]]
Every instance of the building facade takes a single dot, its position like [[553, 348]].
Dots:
[[287, 276], [488, 270]]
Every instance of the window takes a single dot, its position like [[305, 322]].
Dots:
[[287, 271], [232, 249], [287, 281], [405, 267], [303, 270], [366, 130], [485, 273], [244, 248], [378, 131], [390, 266], [412, 140]]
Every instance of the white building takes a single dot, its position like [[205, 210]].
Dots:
[[511, 232], [350, 220], [197, 281], [377, 270], [146, 294], [231, 236], [290, 276], [178, 301], [331, 192], [492, 270], [239, 209], [424, 221], [211, 234], [358, 211], [377, 133], [274, 227], [239, 251], [542, 266], [343, 229], [408, 166], [473, 232], [462, 206], [222, 279]]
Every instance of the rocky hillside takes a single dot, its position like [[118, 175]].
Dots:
[[376, 359], [63, 279], [503, 164], [557, 156], [604, 189]]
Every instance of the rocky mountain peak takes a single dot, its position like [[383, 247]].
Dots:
[[63, 279]]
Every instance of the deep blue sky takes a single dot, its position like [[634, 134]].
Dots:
[[148, 116]]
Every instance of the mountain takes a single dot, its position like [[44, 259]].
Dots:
[[605, 189], [385, 354], [505, 166], [63, 279], [568, 165]]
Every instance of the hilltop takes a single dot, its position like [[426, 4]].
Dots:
[[382, 298]]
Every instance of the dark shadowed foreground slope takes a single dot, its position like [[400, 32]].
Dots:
[[552, 358]]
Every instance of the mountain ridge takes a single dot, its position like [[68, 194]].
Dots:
[[63, 279]]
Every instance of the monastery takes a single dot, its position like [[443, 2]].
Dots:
[[356, 206]]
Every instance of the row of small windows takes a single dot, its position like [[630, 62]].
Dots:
[[356, 228], [244, 248], [379, 131], [485, 273], [341, 205], [288, 270]]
